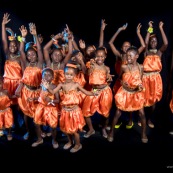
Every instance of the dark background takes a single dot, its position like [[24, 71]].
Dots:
[[84, 19]]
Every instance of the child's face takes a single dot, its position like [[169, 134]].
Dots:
[[100, 57], [31, 55], [153, 42], [69, 74], [125, 46], [13, 47], [47, 76], [57, 56], [131, 57]]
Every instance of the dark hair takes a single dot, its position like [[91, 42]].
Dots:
[[49, 70], [101, 48], [133, 48], [73, 65]]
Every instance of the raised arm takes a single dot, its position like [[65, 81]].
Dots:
[[47, 47], [142, 47], [24, 33], [115, 51], [101, 39], [33, 31], [5, 20], [149, 31], [164, 38]]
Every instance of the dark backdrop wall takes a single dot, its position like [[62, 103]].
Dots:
[[84, 20]]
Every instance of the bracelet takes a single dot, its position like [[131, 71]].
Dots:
[[54, 39], [150, 30]]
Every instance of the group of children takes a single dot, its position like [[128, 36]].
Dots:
[[64, 84]]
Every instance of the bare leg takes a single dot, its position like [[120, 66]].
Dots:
[[143, 125], [39, 138], [130, 122], [54, 141], [90, 126], [78, 145], [69, 143], [115, 120]]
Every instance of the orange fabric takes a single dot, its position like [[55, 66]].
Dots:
[[6, 115], [27, 107], [12, 76], [31, 77], [46, 114], [101, 103], [130, 100], [80, 78], [171, 103], [73, 120], [12, 70], [98, 77], [152, 63], [58, 77], [152, 80]]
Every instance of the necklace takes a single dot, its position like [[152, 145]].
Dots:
[[32, 64], [153, 50], [13, 57], [55, 65]]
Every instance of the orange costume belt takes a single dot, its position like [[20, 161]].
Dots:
[[151, 72], [33, 88], [4, 109], [69, 107], [132, 90], [99, 89]]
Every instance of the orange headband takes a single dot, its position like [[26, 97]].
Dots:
[[71, 65]]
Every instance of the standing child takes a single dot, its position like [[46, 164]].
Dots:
[[71, 119], [29, 87], [99, 78], [130, 96], [152, 80], [6, 115], [46, 113], [121, 58], [13, 67]]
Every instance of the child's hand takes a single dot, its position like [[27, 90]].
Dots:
[[140, 87], [45, 84]]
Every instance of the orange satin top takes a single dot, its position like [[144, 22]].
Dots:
[[98, 77], [58, 77], [152, 63], [12, 70], [80, 78], [32, 76]]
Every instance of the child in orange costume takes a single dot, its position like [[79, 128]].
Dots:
[[99, 78], [56, 59], [130, 96], [121, 58], [152, 80], [29, 87], [13, 65], [6, 115], [47, 113], [71, 120]]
